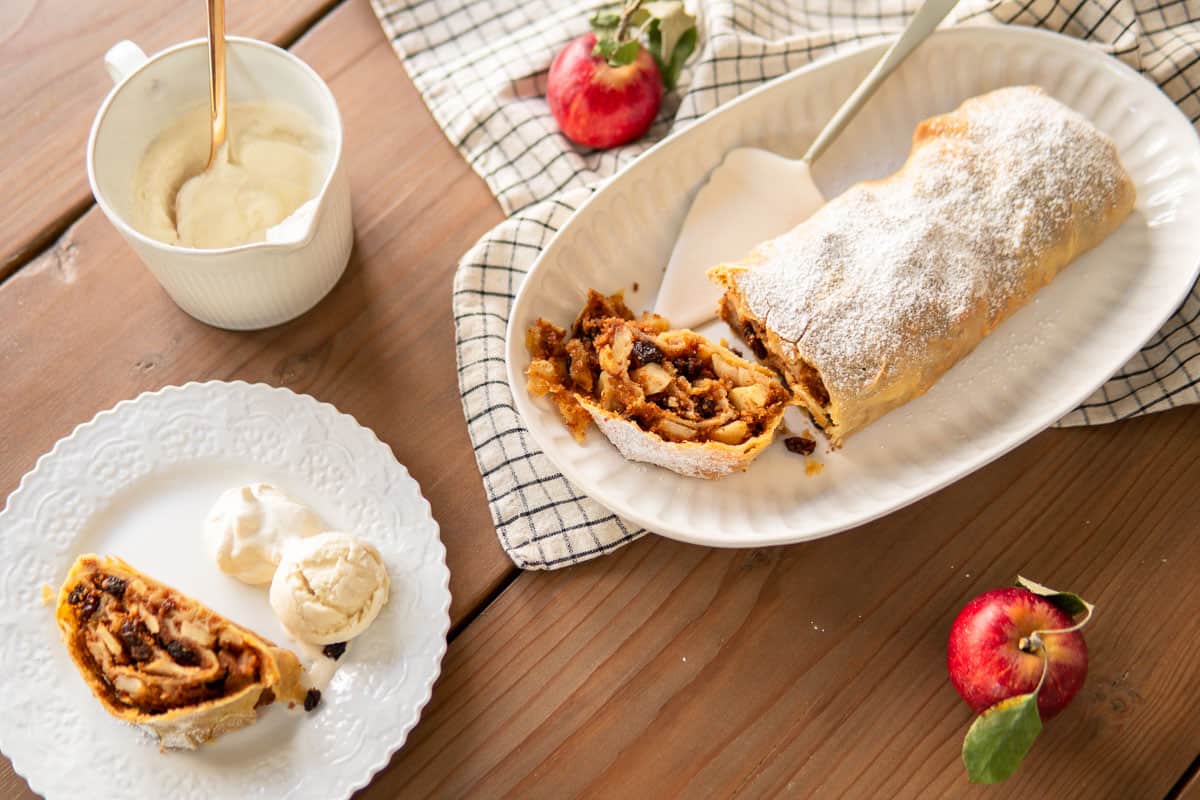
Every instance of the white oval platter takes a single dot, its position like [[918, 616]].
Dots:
[[1038, 366]]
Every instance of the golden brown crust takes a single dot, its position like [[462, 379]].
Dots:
[[158, 659]]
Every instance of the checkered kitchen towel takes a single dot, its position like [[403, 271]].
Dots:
[[481, 66]]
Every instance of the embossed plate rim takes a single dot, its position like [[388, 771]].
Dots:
[[421, 537]]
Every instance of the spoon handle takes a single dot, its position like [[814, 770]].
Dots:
[[922, 24], [216, 76]]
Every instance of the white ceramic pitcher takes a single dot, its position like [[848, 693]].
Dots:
[[249, 286]]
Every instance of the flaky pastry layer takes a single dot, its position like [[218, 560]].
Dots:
[[156, 658]]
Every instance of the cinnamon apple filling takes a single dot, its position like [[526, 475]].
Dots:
[[154, 649], [673, 383], [801, 376]]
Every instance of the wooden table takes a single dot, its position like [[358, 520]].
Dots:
[[665, 669]]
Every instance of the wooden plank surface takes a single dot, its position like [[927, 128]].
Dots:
[[819, 669], [816, 669], [86, 326], [52, 80]]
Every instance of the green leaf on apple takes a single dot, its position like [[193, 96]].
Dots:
[[673, 23], [1000, 737], [617, 54], [670, 68], [604, 23], [672, 34], [627, 52], [1069, 602]]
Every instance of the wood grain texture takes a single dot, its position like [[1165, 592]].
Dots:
[[818, 670], [86, 326], [665, 669], [52, 80]]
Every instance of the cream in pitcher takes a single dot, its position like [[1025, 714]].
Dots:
[[272, 233], [266, 171]]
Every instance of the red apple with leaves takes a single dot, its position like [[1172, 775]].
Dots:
[[1016, 655], [605, 87], [993, 655], [599, 103]]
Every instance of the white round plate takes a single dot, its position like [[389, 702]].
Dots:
[[1038, 366], [136, 482]]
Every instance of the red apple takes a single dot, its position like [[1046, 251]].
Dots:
[[599, 105], [992, 655]]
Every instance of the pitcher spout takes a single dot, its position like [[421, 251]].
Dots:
[[297, 228]]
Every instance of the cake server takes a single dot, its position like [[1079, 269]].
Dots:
[[755, 195]]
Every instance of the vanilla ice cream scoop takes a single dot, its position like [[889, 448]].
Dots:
[[248, 527], [329, 587]]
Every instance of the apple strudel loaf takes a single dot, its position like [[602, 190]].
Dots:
[[866, 304]]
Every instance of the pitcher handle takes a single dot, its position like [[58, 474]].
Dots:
[[123, 59]]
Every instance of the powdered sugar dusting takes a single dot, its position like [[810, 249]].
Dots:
[[871, 283]]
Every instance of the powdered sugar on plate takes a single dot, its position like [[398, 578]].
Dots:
[[876, 279]]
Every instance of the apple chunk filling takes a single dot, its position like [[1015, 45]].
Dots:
[[673, 383], [153, 649], [802, 377]]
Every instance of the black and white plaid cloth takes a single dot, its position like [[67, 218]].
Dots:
[[481, 66]]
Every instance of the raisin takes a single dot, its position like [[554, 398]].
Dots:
[[311, 698], [688, 367], [114, 586], [88, 600], [799, 444], [334, 650], [706, 408], [646, 352], [134, 635], [77, 595], [140, 652], [752, 339], [183, 655]]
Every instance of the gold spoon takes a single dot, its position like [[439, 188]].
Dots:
[[216, 78]]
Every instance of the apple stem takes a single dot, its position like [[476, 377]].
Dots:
[[1045, 668], [1033, 644], [1086, 618], [626, 12]]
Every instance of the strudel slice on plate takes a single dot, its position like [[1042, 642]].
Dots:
[[866, 304], [164, 662], [666, 397]]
